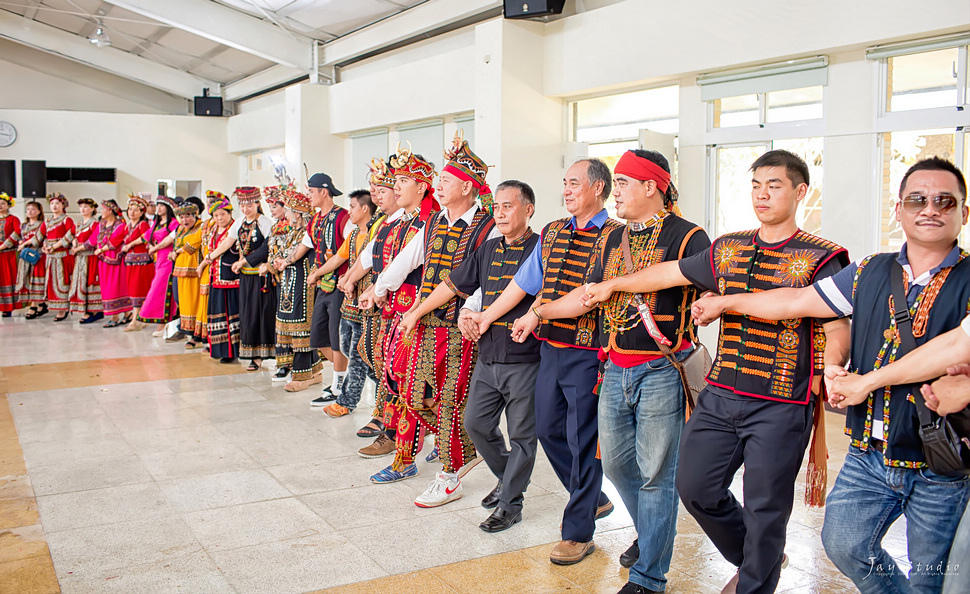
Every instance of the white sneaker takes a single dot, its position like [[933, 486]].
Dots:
[[443, 489]]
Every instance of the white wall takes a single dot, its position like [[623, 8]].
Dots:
[[143, 148]]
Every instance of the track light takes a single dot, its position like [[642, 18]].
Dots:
[[100, 36]]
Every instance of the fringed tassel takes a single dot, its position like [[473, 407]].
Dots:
[[816, 482]]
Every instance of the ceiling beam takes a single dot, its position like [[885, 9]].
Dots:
[[228, 27], [406, 25], [73, 47], [262, 80]]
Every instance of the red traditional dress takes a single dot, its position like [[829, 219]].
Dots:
[[30, 277], [9, 238], [111, 271], [58, 234], [139, 267], [85, 284]]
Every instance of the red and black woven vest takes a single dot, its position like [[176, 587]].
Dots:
[[764, 358], [327, 232], [567, 257], [445, 247], [399, 235]]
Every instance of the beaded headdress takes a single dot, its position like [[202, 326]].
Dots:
[[58, 197], [298, 201], [247, 195], [6, 198], [380, 175], [468, 166], [408, 164]]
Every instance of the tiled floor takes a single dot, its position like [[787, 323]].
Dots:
[[142, 468]]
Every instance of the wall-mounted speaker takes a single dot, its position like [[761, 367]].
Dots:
[[208, 106], [8, 177], [34, 176], [528, 9]]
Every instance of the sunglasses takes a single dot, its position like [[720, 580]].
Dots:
[[944, 203]]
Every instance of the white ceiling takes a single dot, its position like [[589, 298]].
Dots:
[[216, 42]]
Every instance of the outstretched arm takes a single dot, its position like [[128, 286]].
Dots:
[[648, 280], [929, 361], [776, 304], [509, 298], [441, 295]]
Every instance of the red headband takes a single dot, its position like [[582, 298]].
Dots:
[[642, 169], [481, 187]]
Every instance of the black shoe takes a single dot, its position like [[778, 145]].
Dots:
[[43, 309], [327, 396], [7, 314], [491, 500], [61, 318], [631, 588], [177, 337], [281, 374], [500, 520], [227, 360], [631, 555]]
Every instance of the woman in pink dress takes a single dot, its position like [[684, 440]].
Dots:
[[30, 277], [107, 242], [58, 234], [160, 306], [139, 268]]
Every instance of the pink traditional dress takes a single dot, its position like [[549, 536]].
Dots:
[[58, 234], [9, 238], [111, 272], [139, 268], [160, 306], [30, 277], [85, 284]]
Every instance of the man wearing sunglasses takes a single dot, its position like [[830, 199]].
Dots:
[[885, 474]]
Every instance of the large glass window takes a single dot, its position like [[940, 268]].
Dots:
[[732, 199], [788, 105], [923, 80], [621, 117], [365, 147]]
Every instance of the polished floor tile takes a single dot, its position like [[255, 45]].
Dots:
[[129, 465]]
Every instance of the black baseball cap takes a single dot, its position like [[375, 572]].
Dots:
[[322, 180]]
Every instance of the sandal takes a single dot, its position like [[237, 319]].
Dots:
[[372, 429], [127, 319], [190, 345], [43, 310], [61, 318], [253, 365], [31, 313], [87, 319], [113, 324]]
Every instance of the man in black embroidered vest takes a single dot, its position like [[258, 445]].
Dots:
[[885, 474], [324, 235], [565, 400], [505, 374], [759, 406], [438, 358], [642, 403]]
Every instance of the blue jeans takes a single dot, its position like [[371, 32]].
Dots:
[[353, 385], [867, 498], [958, 580], [641, 417]]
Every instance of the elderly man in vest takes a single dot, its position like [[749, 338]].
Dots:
[[565, 399]]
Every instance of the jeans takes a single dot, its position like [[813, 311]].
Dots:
[[641, 417], [867, 498], [958, 579], [353, 385]]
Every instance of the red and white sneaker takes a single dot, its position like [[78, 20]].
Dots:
[[445, 488]]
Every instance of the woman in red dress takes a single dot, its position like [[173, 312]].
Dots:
[[85, 285], [9, 238], [58, 234], [107, 241], [30, 277], [139, 267]]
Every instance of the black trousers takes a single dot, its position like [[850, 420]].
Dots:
[[510, 387], [769, 438]]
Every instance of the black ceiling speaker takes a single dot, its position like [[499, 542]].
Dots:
[[528, 9], [34, 179], [8, 177]]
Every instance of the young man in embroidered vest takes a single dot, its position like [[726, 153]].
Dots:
[[642, 403], [361, 276], [505, 374], [759, 407], [565, 398], [324, 235], [885, 474], [401, 434], [438, 359]]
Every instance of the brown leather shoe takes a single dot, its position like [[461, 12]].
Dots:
[[603, 510], [568, 552], [382, 446]]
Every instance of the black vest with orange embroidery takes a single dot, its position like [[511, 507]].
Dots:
[[445, 247], [567, 257], [764, 358], [621, 327]]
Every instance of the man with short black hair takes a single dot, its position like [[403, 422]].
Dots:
[[885, 474]]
